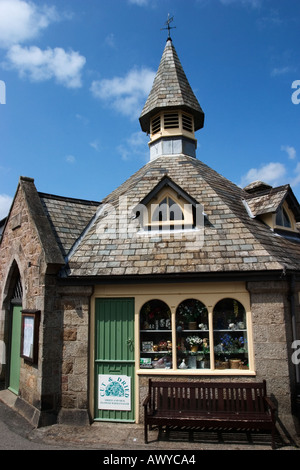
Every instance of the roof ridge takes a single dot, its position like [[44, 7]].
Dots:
[[68, 199]]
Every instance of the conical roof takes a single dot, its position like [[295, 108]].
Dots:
[[171, 90], [232, 240]]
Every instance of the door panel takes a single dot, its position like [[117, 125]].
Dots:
[[114, 352], [15, 360]]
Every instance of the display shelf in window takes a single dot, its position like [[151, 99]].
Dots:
[[230, 335], [155, 336], [192, 335]]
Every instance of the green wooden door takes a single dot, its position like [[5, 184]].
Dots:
[[15, 348], [114, 359]]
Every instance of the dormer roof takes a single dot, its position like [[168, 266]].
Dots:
[[171, 90], [267, 200]]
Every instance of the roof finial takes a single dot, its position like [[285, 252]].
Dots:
[[169, 20]]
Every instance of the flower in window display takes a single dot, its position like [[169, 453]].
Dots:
[[229, 344], [194, 342], [163, 345], [181, 346], [191, 311]]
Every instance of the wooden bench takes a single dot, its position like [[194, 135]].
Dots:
[[209, 405]]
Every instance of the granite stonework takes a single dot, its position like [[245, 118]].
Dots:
[[25, 252], [74, 303]]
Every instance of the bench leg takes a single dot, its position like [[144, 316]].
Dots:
[[146, 432], [273, 437]]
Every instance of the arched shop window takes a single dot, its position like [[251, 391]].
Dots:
[[155, 336], [192, 335], [187, 342], [230, 335]]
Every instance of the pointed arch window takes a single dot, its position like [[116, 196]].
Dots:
[[168, 207], [282, 218], [169, 212]]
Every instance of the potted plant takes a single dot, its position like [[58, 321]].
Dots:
[[190, 311], [194, 342]]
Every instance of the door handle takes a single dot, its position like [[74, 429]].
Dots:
[[130, 344]]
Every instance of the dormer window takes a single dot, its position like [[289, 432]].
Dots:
[[276, 207], [168, 207], [167, 212], [282, 218]]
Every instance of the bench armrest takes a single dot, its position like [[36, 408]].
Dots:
[[270, 405], [146, 401]]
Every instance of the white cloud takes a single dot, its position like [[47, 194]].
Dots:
[[140, 3], [291, 151], [281, 71], [251, 3], [22, 20], [125, 94], [70, 159], [39, 65], [134, 147], [84, 120], [5, 203], [110, 40], [296, 180], [272, 173], [95, 145]]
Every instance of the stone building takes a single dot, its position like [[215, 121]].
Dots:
[[96, 297]]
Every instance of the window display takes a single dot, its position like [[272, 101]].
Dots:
[[230, 335], [192, 335], [184, 340], [156, 336]]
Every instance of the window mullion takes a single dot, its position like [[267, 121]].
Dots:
[[211, 338], [174, 343]]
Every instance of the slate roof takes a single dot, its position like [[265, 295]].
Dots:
[[233, 241], [171, 90], [270, 199], [68, 218]]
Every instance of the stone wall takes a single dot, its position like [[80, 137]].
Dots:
[[272, 338], [21, 251], [28, 249], [74, 306]]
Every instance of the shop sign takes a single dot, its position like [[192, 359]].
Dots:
[[114, 392]]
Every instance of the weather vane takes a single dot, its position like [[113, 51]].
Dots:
[[167, 23]]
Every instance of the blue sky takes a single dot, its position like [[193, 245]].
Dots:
[[75, 74]]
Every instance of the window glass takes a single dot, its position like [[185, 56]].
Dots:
[[155, 336], [282, 218], [167, 210], [192, 336], [230, 335]]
